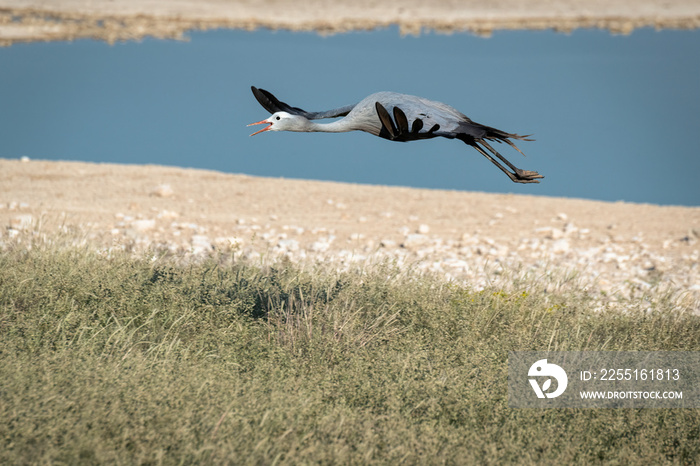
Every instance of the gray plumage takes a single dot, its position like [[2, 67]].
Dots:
[[397, 117]]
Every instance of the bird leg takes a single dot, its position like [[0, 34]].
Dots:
[[520, 176], [528, 175]]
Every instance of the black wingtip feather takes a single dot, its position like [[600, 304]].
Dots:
[[417, 126], [272, 104], [387, 123], [267, 100], [401, 121]]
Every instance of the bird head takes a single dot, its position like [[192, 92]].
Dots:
[[279, 121]]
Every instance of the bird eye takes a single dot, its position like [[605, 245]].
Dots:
[[278, 117]]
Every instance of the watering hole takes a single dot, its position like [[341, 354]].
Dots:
[[614, 117]]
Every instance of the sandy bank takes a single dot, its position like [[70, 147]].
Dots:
[[32, 20]]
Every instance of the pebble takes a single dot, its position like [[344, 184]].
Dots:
[[162, 190], [201, 244], [21, 222], [168, 214], [556, 234], [560, 245], [14, 205], [320, 246], [387, 243], [143, 225], [415, 240], [288, 245]]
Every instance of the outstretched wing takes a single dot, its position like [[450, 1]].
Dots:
[[397, 129], [272, 105], [474, 134]]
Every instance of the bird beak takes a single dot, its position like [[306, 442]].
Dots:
[[268, 123]]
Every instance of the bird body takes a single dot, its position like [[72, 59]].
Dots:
[[414, 118], [364, 116]]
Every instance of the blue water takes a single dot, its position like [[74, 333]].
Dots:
[[614, 117]]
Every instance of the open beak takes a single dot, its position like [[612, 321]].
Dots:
[[264, 122]]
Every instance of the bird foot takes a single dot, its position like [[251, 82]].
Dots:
[[525, 176]]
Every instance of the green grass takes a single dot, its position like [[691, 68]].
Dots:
[[148, 361]]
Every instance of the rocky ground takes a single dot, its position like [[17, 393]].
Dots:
[[615, 251]]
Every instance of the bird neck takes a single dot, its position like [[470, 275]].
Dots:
[[333, 127]]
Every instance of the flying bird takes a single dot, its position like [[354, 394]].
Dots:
[[414, 118]]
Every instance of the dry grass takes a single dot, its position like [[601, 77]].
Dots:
[[143, 361]]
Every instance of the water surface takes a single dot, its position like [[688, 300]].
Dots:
[[614, 117]]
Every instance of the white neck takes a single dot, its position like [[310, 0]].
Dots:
[[339, 126]]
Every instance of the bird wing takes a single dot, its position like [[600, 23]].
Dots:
[[398, 127], [407, 118], [273, 105]]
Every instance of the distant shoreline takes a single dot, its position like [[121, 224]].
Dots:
[[124, 20]]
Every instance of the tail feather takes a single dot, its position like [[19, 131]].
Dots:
[[483, 132]]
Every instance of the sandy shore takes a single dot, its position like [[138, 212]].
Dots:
[[115, 20], [617, 250]]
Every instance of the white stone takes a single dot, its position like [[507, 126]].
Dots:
[[557, 233], [162, 190], [320, 246], [168, 214], [200, 244], [290, 245], [415, 240], [21, 222], [387, 243], [143, 225], [570, 228], [560, 245]]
